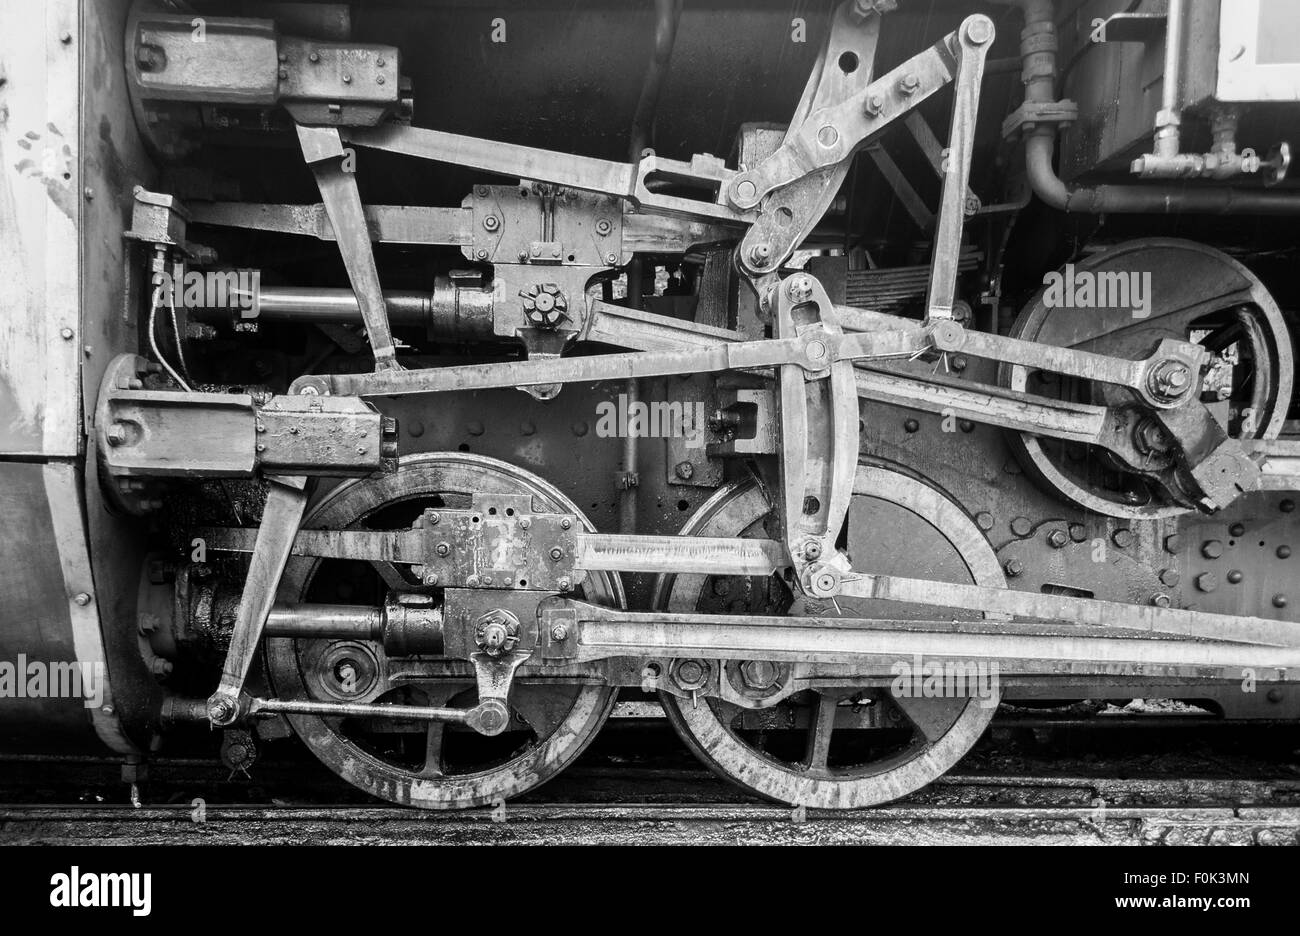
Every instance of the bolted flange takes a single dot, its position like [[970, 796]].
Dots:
[[545, 306], [497, 632]]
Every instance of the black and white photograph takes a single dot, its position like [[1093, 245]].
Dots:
[[697, 424]]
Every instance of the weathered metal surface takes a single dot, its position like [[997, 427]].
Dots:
[[40, 210]]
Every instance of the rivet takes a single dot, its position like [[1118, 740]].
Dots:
[[1235, 576], [1237, 529], [415, 428], [527, 428], [67, 334], [1287, 505], [984, 520], [1123, 538], [1284, 551], [1021, 526], [1279, 601], [82, 599], [911, 425], [1078, 532], [475, 428], [579, 428]]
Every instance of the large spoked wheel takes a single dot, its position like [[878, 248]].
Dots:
[[427, 764], [1195, 293], [837, 745]]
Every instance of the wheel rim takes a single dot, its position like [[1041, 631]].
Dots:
[[1197, 293], [939, 731], [552, 720]]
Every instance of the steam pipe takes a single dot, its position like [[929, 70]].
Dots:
[[1038, 53], [1170, 117]]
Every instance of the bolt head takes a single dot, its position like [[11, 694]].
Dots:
[[684, 470], [82, 599], [979, 29], [1014, 567], [1057, 539], [220, 710], [560, 632], [759, 254], [745, 190], [799, 288], [759, 674], [690, 674]]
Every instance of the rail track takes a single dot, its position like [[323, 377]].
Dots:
[[1173, 784]]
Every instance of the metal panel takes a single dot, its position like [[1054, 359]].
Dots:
[[40, 198], [35, 611], [1259, 57]]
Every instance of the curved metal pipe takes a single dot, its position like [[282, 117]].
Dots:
[[1039, 56], [667, 15]]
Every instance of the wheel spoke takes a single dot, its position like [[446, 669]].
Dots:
[[437, 695], [391, 576], [433, 750], [819, 733]]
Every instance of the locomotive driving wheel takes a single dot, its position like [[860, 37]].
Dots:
[[433, 765], [1191, 293], [837, 744]]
